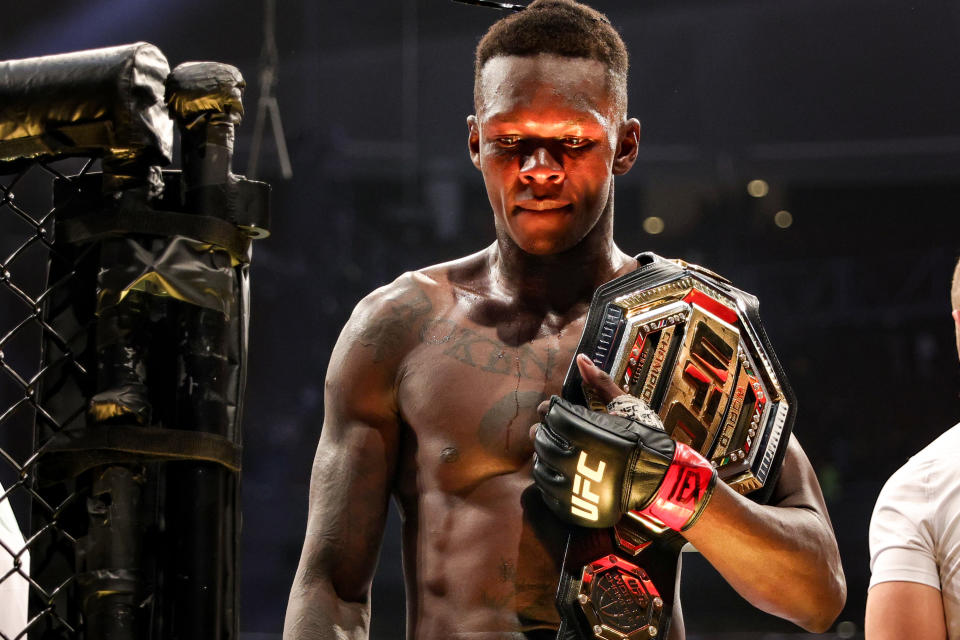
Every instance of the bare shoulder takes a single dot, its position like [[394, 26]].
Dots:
[[364, 366], [388, 320]]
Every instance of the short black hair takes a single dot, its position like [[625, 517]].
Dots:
[[560, 27]]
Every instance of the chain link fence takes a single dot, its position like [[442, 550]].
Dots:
[[33, 519]]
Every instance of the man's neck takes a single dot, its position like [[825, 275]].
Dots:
[[555, 283]]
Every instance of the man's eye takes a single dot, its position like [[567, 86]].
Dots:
[[575, 142], [508, 142]]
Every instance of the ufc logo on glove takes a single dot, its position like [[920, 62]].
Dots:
[[586, 506]]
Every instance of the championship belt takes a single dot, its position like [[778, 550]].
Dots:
[[691, 346]]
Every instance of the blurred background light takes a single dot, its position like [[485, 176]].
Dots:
[[653, 225], [758, 188], [783, 218]]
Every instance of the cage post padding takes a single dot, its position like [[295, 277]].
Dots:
[[135, 473]]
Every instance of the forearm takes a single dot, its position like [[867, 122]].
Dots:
[[783, 560], [315, 612]]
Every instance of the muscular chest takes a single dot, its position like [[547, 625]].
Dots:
[[469, 395]]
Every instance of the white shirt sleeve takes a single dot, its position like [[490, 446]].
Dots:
[[902, 536], [14, 589]]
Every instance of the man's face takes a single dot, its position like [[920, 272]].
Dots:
[[548, 137]]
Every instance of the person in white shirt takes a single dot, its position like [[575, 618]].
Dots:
[[915, 540], [14, 589]]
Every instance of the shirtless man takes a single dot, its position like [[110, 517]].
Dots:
[[436, 378]]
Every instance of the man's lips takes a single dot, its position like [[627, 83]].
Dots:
[[542, 205]]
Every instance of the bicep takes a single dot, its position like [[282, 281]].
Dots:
[[897, 610], [797, 485]]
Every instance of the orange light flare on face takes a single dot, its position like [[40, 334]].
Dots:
[[545, 139]]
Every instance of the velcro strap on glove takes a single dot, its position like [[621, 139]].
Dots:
[[684, 492]]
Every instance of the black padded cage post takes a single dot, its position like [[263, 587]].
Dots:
[[132, 478]]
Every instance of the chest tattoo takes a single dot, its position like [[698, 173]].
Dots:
[[498, 423], [488, 354]]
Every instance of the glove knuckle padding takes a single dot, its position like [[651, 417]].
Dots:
[[550, 442]]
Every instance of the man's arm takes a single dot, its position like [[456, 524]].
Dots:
[[781, 557], [354, 468], [897, 610], [904, 599]]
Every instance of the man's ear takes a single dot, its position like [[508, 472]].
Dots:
[[956, 323], [473, 140], [628, 145]]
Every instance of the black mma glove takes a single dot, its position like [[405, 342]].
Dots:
[[593, 467]]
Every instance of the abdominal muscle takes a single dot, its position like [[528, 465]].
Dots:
[[475, 564], [485, 565]]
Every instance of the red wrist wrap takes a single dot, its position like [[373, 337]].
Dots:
[[684, 492]]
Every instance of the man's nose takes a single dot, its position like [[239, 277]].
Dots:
[[540, 167]]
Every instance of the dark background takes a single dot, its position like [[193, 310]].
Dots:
[[848, 110]]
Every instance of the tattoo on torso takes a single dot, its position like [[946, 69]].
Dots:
[[488, 354], [497, 424]]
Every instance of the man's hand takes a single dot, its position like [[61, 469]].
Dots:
[[593, 467], [781, 557]]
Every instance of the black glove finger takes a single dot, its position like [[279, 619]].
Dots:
[[551, 447], [557, 421], [548, 477], [553, 486], [583, 428]]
